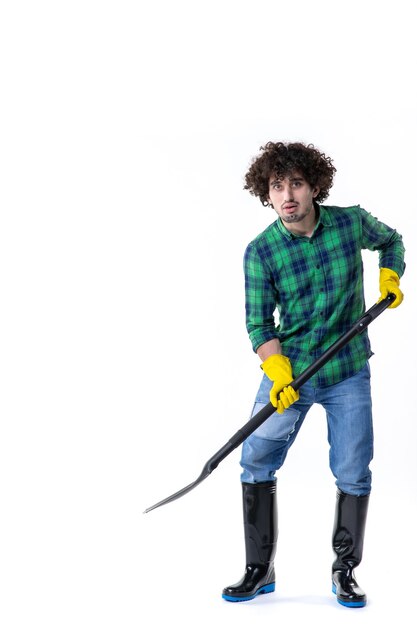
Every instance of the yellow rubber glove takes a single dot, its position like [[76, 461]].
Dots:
[[278, 369], [389, 282]]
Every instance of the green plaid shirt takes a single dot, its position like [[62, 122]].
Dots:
[[316, 285]]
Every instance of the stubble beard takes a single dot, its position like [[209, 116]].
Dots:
[[295, 217]]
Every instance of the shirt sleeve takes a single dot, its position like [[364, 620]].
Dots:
[[378, 236], [260, 299]]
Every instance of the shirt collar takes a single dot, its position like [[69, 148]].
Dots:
[[325, 219]]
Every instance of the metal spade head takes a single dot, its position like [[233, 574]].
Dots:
[[180, 493]]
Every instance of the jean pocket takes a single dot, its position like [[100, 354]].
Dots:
[[264, 390]]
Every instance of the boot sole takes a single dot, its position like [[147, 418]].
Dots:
[[265, 589], [349, 605]]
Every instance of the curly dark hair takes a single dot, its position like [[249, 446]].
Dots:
[[281, 159]]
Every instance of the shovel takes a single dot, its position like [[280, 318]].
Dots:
[[269, 409]]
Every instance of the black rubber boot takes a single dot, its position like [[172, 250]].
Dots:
[[260, 519], [348, 535]]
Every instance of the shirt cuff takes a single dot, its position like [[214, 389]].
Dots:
[[258, 337]]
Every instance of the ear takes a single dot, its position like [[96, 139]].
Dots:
[[316, 192]]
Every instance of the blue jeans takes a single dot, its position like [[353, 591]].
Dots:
[[348, 409]]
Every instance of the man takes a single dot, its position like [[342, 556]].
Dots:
[[308, 265]]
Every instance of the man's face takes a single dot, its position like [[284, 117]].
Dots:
[[292, 197]]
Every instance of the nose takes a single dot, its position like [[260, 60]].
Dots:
[[288, 193]]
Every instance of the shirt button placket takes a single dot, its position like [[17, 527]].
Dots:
[[321, 293]]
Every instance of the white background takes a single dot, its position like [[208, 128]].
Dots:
[[126, 131]]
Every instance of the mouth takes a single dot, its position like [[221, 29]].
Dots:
[[290, 207]]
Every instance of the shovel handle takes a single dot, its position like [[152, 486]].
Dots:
[[269, 409]]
